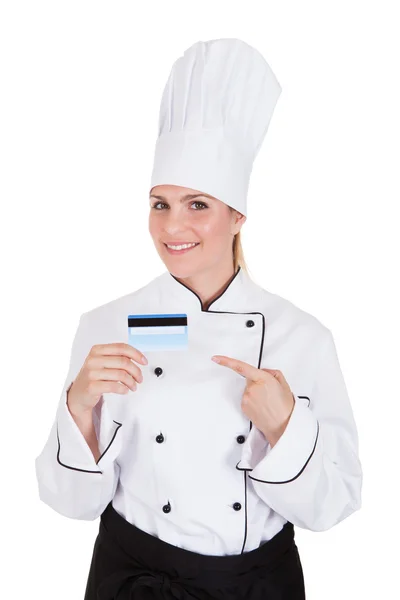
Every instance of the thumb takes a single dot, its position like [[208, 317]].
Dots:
[[279, 376]]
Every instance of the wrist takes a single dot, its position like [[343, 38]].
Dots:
[[78, 411], [274, 436]]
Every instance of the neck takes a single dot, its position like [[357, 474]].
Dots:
[[209, 284]]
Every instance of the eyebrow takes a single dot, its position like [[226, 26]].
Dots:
[[184, 198]]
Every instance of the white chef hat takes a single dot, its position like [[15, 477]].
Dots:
[[214, 114]]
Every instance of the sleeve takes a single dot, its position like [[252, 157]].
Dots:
[[312, 476], [69, 479]]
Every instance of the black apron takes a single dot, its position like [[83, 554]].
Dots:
[[131, 564]]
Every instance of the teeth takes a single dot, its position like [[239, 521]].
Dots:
[[182, 246]]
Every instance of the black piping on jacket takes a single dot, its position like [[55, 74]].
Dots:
[[258, 366], [306, 397], [303, 467], [97, 461], [296, 476]]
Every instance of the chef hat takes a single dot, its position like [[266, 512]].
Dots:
[[214, 114]]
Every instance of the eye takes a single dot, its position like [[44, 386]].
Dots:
[[156, 204], [203, 204]]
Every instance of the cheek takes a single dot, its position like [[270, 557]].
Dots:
[[214, 236], [154, 224], [207, 227]]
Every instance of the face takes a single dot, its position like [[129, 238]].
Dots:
[[180, 215]]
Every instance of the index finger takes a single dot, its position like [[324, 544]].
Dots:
[[122, 349], [241, 367]]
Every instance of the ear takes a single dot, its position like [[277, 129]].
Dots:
[[239, 221]]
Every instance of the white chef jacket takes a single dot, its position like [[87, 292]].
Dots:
[[179, 458]]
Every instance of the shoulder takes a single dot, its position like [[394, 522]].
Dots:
[[284, 315], [123, 304]]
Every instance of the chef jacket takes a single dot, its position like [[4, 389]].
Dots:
[[179, 458]]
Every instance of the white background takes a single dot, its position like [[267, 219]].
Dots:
[[81, 83]]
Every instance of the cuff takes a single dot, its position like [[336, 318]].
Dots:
[[73, 452], [255, 448], [291, 453]]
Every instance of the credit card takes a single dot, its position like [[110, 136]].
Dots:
[[158, 332]]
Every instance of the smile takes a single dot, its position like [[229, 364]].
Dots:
[[181, 249]]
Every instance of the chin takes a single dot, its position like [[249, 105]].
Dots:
[[180, 272]]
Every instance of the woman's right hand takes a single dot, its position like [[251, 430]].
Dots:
[[107, 368]]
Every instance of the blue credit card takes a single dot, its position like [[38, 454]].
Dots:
[[158, 332]]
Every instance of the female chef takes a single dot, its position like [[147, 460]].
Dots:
[[202, 416]]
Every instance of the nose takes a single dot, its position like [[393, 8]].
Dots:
[[174, 222]]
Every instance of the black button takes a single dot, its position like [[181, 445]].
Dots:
[[240, 439], [250, 323], [160, 438], [158, 371], [166, 508], [237, 506]]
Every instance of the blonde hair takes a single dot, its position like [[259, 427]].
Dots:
[[238, 255]]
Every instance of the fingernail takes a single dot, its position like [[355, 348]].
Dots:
[[215, 359], [144, 360]]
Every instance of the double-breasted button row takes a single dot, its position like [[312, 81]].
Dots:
[[160, 439], [167, 507]]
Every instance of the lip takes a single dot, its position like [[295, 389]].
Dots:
[[183, 251], [174, 243]]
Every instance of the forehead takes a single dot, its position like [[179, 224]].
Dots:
[[177, 192]]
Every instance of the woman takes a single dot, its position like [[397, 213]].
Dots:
[[200, 474]]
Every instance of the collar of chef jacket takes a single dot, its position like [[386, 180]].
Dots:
[[234, 297]]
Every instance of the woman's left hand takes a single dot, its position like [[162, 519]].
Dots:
[[267, 399]]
